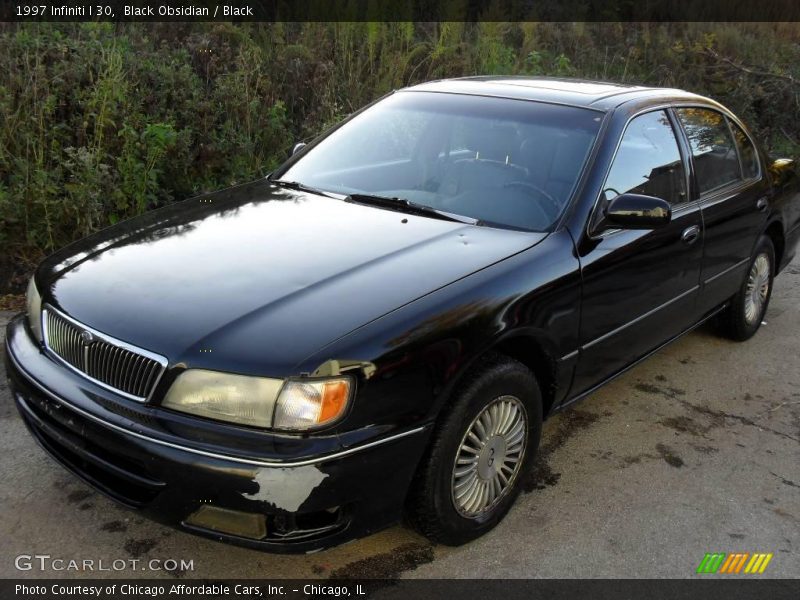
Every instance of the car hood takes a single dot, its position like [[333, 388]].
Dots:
[[255, 278]]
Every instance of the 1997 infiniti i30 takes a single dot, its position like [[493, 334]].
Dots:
[[381, 325]]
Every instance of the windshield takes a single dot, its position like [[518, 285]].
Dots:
[[504, 162]]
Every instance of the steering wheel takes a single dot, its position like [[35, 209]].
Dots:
[[554, 204]]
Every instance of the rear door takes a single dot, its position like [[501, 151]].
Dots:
[[640, 287], [733, 197]]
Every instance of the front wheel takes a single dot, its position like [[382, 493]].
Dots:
[[743, 317], [481, 448]]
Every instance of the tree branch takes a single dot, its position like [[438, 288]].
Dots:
[[749, 70]]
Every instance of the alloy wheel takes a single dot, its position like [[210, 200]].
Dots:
[[757, 289], [489, 457]]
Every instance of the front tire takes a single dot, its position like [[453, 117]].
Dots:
[[483, 445], [743, 317]]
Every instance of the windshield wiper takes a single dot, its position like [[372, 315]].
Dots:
[[300, 187], [410, 207]]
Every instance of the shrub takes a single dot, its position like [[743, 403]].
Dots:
[[100, 121]]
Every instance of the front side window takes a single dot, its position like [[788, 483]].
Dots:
[[713, 150], [648, 161], [507, 163]]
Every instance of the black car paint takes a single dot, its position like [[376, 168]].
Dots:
[[286, 259], [420, 299]]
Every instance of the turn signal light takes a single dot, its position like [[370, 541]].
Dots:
[[311, 404]]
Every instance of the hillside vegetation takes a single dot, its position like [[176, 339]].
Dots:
[[101, 122]]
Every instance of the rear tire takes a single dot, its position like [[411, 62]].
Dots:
[[482, 446], [742, 318]]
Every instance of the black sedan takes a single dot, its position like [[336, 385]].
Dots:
[[380, 326]]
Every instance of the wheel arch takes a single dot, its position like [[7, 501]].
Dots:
[[537, 353], [774, 231], [533, 349]]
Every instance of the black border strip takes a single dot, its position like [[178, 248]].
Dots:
[[399, 10], [708, 588]]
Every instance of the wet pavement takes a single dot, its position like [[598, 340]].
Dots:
[[696, 450]]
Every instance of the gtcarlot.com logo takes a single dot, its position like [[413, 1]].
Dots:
[[734, 563], [46, 562]]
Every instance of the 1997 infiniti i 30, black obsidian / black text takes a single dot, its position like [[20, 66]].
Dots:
[[381, 325]]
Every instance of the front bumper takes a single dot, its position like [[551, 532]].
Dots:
[[305, 503]]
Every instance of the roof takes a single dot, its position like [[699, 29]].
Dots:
[[599, 95]]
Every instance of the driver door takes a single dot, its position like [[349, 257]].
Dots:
[[640, 287]]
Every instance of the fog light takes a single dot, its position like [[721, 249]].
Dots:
[[233, 522]]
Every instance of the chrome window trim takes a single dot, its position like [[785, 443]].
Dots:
[[110, 340], [723, 193]]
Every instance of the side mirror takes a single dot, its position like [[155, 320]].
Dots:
[[783, 164], [635, 211], [782, 170], [297, 147]]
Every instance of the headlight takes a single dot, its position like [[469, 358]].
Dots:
[[33, 304], [311, 404], [259, 401], [224, 396]]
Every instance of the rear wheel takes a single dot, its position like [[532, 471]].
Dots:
[[743, 317], [481, 448]]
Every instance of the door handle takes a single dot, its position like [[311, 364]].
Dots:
[[762, 205], [690, 235]]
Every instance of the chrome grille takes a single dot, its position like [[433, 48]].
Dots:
[[131, 371]]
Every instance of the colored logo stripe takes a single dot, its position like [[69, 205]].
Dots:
[[734, 563], [720, 562], [758, 563], [711, 562]]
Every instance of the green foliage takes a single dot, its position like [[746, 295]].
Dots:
[[100, 122], [140, 166]]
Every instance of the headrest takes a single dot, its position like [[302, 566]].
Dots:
[[496, 142]]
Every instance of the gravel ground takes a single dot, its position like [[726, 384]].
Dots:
[[696, 450]]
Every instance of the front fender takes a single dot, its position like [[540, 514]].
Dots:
[[421, 350]]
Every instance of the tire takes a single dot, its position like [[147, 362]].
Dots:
[[742, 318], [454, 508]]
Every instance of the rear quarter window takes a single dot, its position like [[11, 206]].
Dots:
[[747, 152]]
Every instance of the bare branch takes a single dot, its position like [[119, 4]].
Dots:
[[750, 70]]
